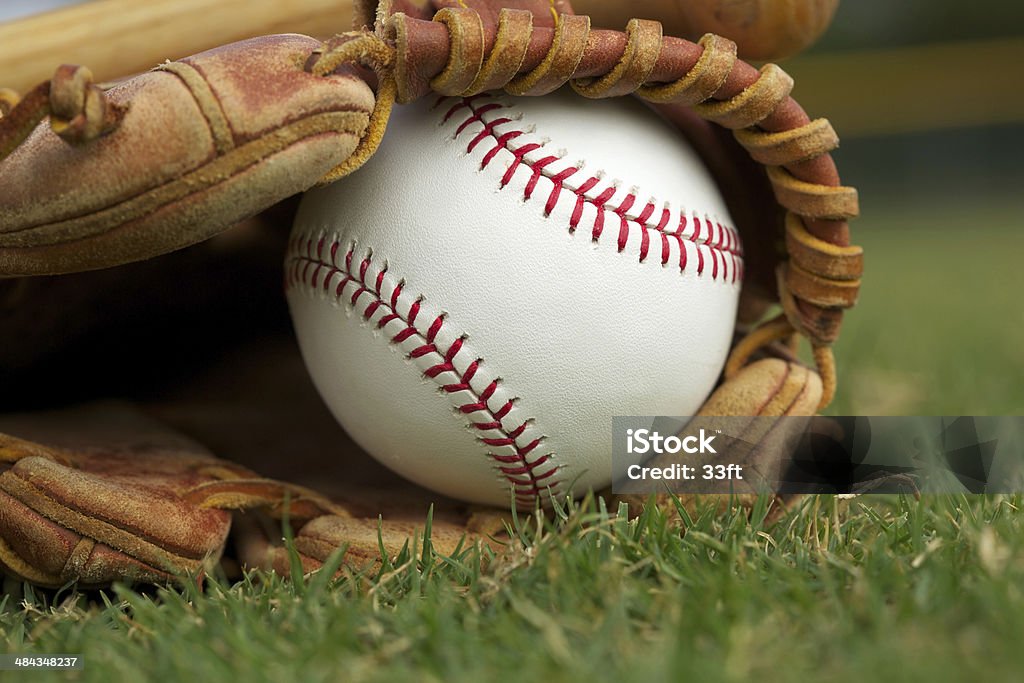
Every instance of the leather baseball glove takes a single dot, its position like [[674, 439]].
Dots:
[[103, 187]]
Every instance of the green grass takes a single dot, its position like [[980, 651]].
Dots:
[[890, 589], [883, 588]]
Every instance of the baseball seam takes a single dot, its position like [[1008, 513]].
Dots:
[[720, 242], [308, 266]]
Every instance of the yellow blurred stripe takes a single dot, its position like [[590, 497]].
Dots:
[[919, 88]]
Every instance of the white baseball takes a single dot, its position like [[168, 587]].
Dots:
[[503, 277]]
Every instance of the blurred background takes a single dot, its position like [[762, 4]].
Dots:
[[928, 99]]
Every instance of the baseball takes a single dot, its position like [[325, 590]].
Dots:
[[503, 277]]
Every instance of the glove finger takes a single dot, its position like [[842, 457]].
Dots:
[[76, 510], [206, 142], [768, 388]]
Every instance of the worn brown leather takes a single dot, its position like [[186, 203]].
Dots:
[[763, 29], [204, 142], [104, 495], [215, 152]]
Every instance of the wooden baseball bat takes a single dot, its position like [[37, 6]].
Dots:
[[115, 38]]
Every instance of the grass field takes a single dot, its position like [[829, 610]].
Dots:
[[874, 589], [888, 589]]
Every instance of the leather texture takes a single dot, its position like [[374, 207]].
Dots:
[[206, 141], [414, 292], [104, 499]]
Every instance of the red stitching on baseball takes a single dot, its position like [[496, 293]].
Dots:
[[521, 473], [724, 247]]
